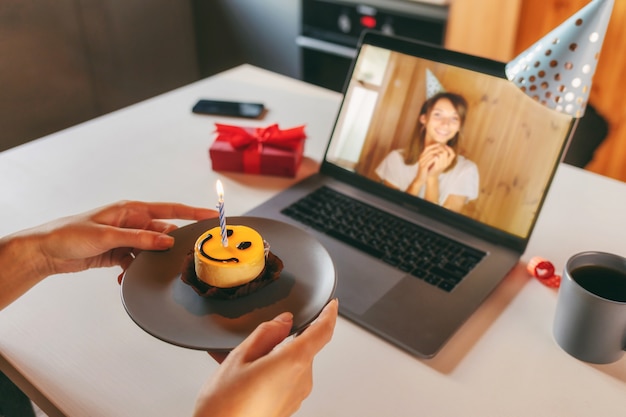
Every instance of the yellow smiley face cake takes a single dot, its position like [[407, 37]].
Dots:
[[238, 263], [244, 266]]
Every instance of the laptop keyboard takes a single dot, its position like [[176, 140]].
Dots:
[[424, 254]]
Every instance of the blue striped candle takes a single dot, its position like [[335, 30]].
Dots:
[[220, 210]]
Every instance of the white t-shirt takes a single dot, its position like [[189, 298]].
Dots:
[[463, 179]]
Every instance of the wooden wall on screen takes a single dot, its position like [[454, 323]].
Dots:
[[511, 138]]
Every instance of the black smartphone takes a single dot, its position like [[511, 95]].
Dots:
[[229, 108]]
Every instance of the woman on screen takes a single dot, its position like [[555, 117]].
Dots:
[[430, 166]]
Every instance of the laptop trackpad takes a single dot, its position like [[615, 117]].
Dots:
[[361, 282]]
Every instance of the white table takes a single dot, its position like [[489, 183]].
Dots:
[[71, 346]]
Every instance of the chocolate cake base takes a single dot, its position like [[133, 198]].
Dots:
[[271, 272]]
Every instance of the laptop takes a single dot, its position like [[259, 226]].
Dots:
[[413, 268]]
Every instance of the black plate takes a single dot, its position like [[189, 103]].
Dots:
[[161, 304]]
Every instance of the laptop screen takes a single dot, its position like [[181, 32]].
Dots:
[[435, 128]]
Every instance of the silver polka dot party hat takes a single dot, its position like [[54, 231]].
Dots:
[[558, 69], [433, 85]]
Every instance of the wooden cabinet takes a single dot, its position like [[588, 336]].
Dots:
[[66, 61], [486, 28], [44, 74]]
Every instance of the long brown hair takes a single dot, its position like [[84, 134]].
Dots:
[[414, 150]]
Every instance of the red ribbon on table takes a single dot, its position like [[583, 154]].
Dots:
[[543, 270], [252, 140]]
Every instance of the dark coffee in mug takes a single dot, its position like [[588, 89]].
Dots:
[[602, 281]]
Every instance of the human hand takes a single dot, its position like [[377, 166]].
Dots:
[[259, 378], [436, 158], [426, 162], [110, 235]]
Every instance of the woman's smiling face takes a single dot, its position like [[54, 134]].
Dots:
[[443, 122]]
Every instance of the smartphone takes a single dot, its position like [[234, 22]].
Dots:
[[229, 108]]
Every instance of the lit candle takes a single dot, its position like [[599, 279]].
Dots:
[[220, 209]]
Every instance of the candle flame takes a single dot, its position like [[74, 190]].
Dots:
[[220, 189]]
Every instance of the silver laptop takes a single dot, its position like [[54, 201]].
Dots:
[[418, 249]]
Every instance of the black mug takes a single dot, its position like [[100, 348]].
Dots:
[[590, 318]]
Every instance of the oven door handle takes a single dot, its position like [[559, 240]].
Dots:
[[323, 46]]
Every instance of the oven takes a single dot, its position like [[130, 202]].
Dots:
[[330, 31]]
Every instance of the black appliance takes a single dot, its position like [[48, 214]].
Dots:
[[331, 29]]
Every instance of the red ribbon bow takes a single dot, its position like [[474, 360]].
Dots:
[[242, 137], [252, 140]]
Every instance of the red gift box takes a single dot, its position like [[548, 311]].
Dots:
[[266, 151]]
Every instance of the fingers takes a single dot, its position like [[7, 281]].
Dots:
[[271, 333], [144, 230], [138, 214], [436, 158], [438, 149], [448, 152], [428, 162], [171, 210], [136, 224], [264, 338], [178, 211], [114, 237], [319, 333], [432, 151], [161, 226]]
